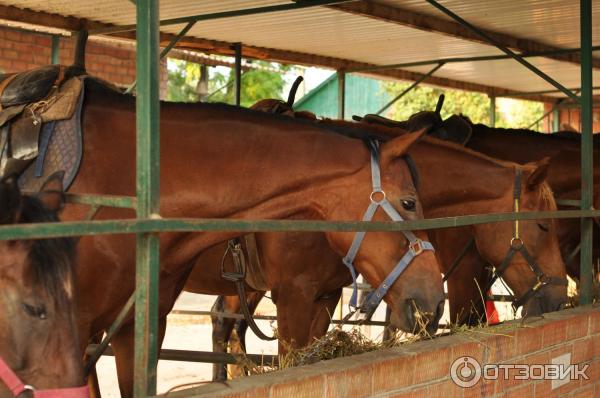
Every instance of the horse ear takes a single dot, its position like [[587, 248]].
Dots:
[[398, 146], [52, 194], [539, 173], [10, 200]]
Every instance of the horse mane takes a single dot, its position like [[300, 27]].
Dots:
[[52, 260], [347, 129]]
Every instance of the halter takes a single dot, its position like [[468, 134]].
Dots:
[[17, 387], [517, 245], [416, 246]]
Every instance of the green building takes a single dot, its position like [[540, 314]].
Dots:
[[363, 95]]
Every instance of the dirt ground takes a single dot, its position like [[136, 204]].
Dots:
[[194, 333]]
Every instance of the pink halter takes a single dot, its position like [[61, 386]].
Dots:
[[17, 387]]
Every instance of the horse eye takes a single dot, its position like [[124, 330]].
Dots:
[[36, 311], [409, 204], [543, 227]]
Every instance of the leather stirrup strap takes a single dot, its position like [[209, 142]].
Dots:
[[237, 277]]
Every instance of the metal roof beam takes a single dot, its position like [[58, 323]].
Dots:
[[430, 23], [224, 48]]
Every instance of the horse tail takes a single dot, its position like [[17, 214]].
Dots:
[[292, 96]]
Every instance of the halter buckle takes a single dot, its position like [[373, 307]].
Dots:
[[542, 280], [377, 192], [516, 243], [416, 247]]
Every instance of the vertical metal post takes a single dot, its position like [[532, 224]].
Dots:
[[147, 190], [55, 54], [492, 111], [341, 96], [237, 47], [587, 177], [555, 119]]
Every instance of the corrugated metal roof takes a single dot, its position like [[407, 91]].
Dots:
[[329, 32]]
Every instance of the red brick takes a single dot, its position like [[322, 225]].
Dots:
[[394, 373], [10, 54], [596, 346], [350, 383], [43, 41], [595, 321], [305, 388], [13, 35], [587, 392], [583, 351], [540, 358], [445, 389], [525, 391], [577, 327], [501, 348], [529, 339], [484, 389], [554, 333], [433, 365], [543, 389]]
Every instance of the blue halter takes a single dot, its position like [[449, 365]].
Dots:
[[416, 245]]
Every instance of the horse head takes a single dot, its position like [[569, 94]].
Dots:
[[38, 338], [536, 272], [417, 295]]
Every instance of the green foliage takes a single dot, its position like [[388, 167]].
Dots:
[[265, 82], [509, 113]]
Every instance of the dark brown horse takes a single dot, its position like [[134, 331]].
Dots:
[[38, 334], [453, 181], [222, 161]]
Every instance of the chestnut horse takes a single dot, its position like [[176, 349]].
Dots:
[[227, 162], [453, 181], [39, 345], [521, 146]]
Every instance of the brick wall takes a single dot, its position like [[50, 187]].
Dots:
[[422, 369], [112, 61]]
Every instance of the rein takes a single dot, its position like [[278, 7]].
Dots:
[[17, 387], [416, 246]]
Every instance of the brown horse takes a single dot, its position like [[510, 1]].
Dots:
[[222, 161], [453, 181], [521, 146], [39, 345]]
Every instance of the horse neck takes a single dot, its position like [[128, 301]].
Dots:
[[456, 181], [219, 161], [517, 145]]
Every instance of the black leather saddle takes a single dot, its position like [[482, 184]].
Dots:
[[27, 87]]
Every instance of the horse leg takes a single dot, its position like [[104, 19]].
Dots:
[[299, 322], [221, 333], [241, 326], [123, 347]]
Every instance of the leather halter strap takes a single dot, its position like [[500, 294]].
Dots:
[[17, 387], [416, 245], [518, 246]]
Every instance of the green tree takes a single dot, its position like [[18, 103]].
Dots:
[[509, 113], [267, 80]]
